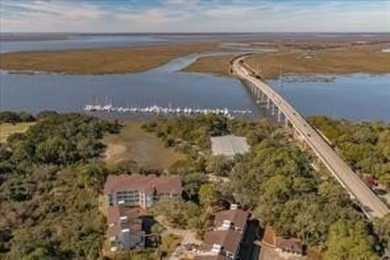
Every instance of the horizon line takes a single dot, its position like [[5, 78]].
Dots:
[[200, 32]]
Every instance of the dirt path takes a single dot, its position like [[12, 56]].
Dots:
[[114, 153], [8, 129], [188, 237]]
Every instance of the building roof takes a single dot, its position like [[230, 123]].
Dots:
[[285, 243], [229, 145], [209, 257], [130, 220], [147, 183], [228, 239], [269, 236], [289, 244], [238, 217]]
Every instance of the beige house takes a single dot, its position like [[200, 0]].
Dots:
[[140, 190]]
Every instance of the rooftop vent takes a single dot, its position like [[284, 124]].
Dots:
[[233, 206], [226, 224], [216, 248]]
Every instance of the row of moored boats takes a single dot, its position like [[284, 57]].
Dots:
[[164, 110]]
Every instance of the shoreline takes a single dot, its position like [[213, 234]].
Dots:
[[296, 61], [288, 78]]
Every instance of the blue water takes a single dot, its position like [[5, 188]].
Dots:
[[355, 97], [183, 62], [358, 97], [81, 42], [34, 93]]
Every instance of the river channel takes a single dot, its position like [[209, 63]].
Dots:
[[356, 97]]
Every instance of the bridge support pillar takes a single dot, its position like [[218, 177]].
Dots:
[[273, 108], [279, 115], [286, 122], [263, 97]]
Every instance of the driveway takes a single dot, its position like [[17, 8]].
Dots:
[[189, 238]]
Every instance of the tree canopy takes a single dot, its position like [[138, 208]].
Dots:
[[365, 146], [51, 181], [275, 180]]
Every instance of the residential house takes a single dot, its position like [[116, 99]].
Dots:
[[140, 190], [223, 241], [124, 228], [280, 244], [289, 245], [233, 219]]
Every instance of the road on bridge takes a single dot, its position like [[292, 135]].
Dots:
[[368, 201]]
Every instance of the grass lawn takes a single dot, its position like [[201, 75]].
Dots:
[[133, 143], [8, 129]]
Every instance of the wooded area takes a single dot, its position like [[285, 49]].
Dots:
[[51, 178], [50, 182], [276, 181], [365, 146]]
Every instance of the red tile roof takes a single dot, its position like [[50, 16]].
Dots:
[[146, 183], [238, 217], [228, 239], [210, 257], [113, 217], [269, 236], [289, 244]]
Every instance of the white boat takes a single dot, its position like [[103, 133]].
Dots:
[[164, 110]]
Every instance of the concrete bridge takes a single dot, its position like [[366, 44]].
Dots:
[[371, 205]]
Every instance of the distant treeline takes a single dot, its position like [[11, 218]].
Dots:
[[22, 116], [15, 117]]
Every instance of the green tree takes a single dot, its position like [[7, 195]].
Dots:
[[209, 195], [193, 182], [219, 165], [382, 229], [349, 240]]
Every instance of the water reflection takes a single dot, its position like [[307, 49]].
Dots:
[[359, 97]]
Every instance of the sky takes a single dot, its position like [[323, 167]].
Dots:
[[136, 16]]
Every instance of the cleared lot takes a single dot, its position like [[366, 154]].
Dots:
[[8, 129]]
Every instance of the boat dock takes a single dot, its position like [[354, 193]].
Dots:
[[157, 110]]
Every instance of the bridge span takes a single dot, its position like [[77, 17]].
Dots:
[[358, 190]]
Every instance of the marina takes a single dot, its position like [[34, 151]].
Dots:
[[159, 110]]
